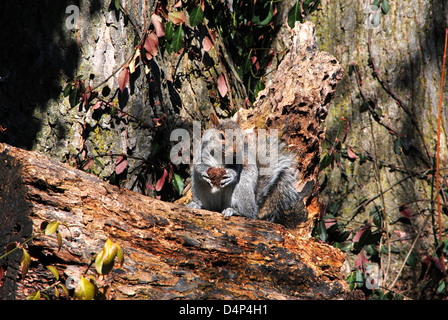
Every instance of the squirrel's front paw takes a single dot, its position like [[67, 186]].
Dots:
[[193, 205], [227, 179], [228, 212], [206, 178]]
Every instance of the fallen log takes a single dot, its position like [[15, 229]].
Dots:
[[171, 252]]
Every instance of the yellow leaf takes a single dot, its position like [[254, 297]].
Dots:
[[25, 263], [85, 289], [51, 228], [54, 271]]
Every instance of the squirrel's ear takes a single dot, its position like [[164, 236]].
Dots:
[[236, 117], [214, 119]]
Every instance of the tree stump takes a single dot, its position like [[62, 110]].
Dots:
[[295, 102]]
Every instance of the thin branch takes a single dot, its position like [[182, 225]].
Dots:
[[398, 100], [438, 151]]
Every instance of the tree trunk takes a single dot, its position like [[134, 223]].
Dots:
[[170, 251]]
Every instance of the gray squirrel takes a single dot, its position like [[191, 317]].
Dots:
[[228, 175]]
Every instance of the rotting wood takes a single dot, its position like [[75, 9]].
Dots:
[[173, 252], [170, 251]]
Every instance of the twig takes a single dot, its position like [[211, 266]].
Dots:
[[383, 202], [438, 152], [409, 253], [394, 96], [369, 103]]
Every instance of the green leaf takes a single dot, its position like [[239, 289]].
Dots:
[[259, 87], [25, 263], [120, 255], [322, 231], [377, 213], [85, 289], [196, 16], [441, 288], [178, 39], [266, 15], [74, 97], [376, 3], [397, 146], [359, 279], [54, 271], [351, 280], [68, 89], [117, 5], [326, 160], [51, 228], [295, 14], [104, 261], [178, 183], [376, 19], [169, 30], [385, 6], [412, 260]]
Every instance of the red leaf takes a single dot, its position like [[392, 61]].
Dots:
[[178, 4], [351, 155], [361, 261], [222, 86], [207, 44], [405, 211], [360, 232], [152, 44], [121, 163], [2, 272], [157, 23], [329, 222], [123, 78], [161, 181], [149, 186], [87, 165], [97, 104]]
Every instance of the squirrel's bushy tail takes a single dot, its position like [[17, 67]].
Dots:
[[276, 191]]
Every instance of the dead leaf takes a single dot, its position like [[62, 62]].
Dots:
[[123, 78], [134, 61], [161, 181], [152, 44], [121, 164], [405, 211], [222, 86], [351, 155], [176, 17], [207, 44], [158, 26]]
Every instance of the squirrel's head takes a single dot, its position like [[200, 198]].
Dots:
[[225, 136]]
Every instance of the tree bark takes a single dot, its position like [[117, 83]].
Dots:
[[170, 251]]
